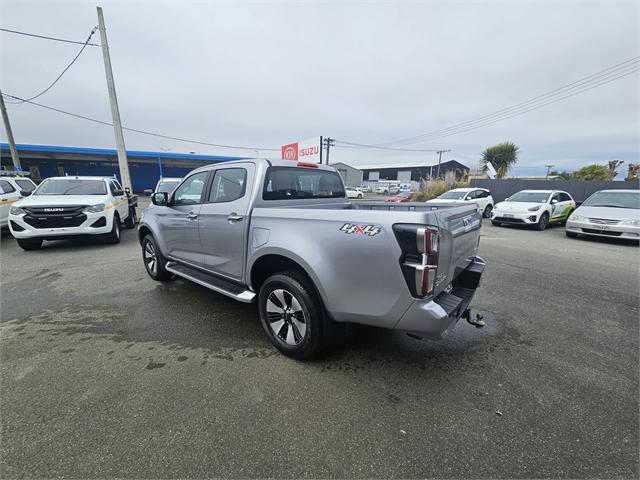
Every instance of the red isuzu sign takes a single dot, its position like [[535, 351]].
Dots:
[[303, 150]]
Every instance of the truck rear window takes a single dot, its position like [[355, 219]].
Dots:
[[290, 183]]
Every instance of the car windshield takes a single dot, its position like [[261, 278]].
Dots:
[[531, 197], [25, 184], [290, 183], [614, 199], [167, 186], [71, 186], [453, 195]]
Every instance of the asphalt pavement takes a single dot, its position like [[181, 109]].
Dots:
[[106, 373]]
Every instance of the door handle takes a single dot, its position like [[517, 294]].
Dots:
[[234, 217], [191, 216]]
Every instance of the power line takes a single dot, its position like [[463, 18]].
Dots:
[[135, 130], [366, 145], [578, 86], [46, 37], [522, 112], [63, 71]]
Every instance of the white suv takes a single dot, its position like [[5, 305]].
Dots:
[[481, 196], [63, 207], [12, 189]]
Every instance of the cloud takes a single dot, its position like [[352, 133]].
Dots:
[[265, 74]]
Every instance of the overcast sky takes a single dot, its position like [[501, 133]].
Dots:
[[263, 74]]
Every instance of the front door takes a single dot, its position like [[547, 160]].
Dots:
[[178, 220], [224, 221]]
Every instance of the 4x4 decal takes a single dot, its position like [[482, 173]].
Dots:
[[350, 228]]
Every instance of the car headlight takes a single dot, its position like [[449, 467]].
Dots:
[[534, 209], [16, 210], [633, 223], [577, 218], [95, 208]]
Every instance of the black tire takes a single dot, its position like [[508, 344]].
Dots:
[[496, 224], [154, 261], [543, 221], [359, 195], [487, 211], [298, 327], [114, 235], [132, 219], [29, 244], [571, 234]]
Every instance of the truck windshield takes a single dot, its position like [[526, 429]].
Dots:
[[532, 197], [71, 186], [451, 195], [289, 183], [614, 199]]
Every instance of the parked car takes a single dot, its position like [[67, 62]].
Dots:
[[481, 196], [353, 192], [534, 207], [283, 234], [388, 189], [607, 213], [63, 207], [364, 188], [12, 189], [399, 198]]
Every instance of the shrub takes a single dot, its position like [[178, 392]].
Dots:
[[436, 188]]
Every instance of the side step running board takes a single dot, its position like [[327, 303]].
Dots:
[[210, 281]]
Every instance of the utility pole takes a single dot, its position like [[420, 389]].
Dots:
[[10, 140], [440, 152], [329, 142], [123, 163], [549, 167]]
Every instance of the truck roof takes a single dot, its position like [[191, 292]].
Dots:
[[273, 163]]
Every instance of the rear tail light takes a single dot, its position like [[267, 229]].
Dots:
[[420, 247], [425, 279], [428, 240]]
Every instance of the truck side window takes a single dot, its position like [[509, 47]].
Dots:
[[228, 184], [190, 191], [6, 187]]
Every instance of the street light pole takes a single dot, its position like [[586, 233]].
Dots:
[[440, 152], [549, 167]]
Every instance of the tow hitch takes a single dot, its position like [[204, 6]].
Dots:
[[478, 322]]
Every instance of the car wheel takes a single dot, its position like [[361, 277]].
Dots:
[[570, 234], [29, 244], [543, 222], [132, 219], [359, 195], [154, 261], [114, 235], [487, 211], [292, 315], [496, 224]]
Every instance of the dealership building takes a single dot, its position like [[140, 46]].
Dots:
[[413, 171], [145, 167]]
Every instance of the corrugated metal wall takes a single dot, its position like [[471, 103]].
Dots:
[[579, 190]]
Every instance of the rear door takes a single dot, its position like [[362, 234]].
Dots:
[[224, 220], [8, 196], [178, 221]]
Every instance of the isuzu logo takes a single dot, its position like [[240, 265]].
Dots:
[[58, 209]]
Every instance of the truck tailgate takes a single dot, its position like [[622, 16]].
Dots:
[[459, 237]]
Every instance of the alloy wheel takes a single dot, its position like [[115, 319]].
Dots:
[[285, 317], [150, 258]]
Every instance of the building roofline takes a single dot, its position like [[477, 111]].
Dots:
[[29, 147], [405, 166]]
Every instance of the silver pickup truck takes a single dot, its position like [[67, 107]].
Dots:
[[284, 234]]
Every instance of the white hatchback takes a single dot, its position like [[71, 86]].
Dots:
[[481, 196]]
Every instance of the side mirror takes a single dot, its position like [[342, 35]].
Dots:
[[507, 199], [25, 193], [160, 198], [555, 200], [127, 190]]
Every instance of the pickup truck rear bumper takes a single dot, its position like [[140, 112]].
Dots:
[[434, 318]]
